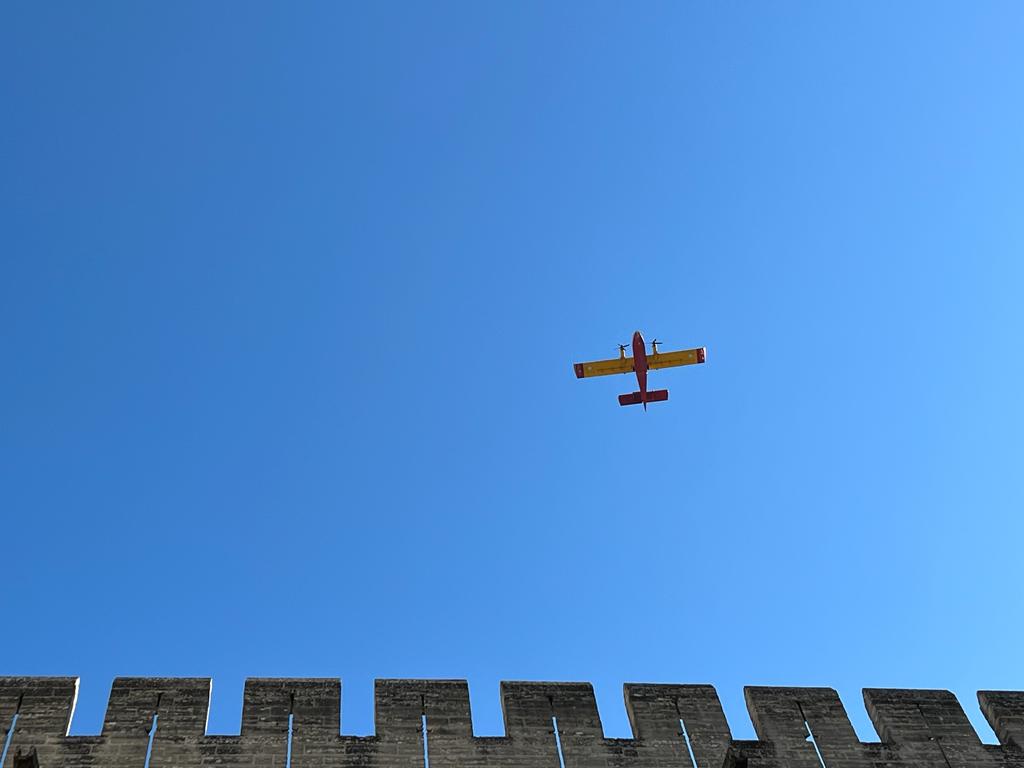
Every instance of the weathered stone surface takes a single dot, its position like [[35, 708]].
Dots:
[[796, 727]]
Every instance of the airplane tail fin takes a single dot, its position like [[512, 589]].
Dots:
[[654, 396]]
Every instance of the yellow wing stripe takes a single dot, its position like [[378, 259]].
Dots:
[[625, 364], [604, 367], [672, 359]]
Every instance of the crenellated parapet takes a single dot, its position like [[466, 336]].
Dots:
[[422, 723]]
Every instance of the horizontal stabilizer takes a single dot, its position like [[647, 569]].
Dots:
[[654, 396]]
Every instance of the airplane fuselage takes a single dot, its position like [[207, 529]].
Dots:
[[640, 365]]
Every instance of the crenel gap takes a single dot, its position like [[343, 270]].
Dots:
[[10, 731], [685, 733], [558, 736], [810, 735], [152, 730]]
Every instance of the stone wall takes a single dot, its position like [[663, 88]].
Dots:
[[796, 727]]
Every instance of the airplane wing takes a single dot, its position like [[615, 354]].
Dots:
[[672, 359], [603, 367]]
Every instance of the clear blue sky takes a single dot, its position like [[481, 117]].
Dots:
[[289, 297]]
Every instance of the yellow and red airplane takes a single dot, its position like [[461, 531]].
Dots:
[[639, 364]]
